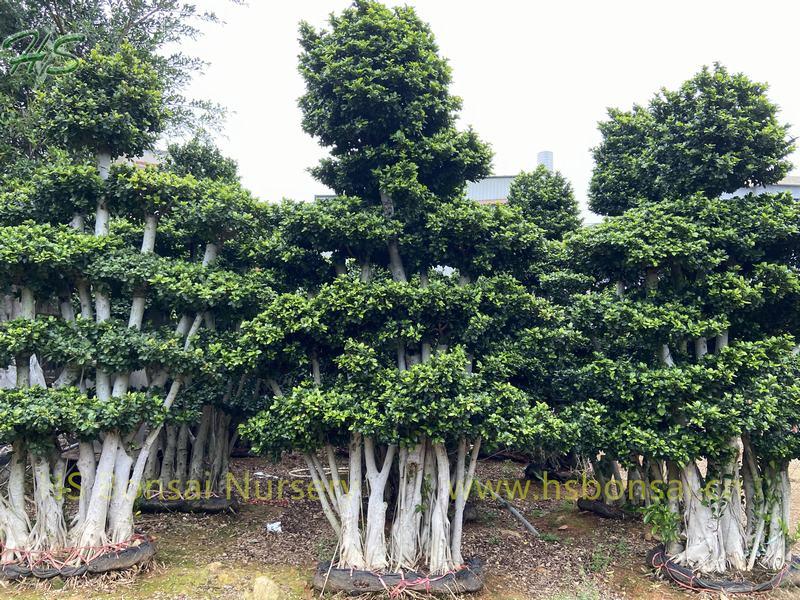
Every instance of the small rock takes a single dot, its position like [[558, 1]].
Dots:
[[226, 579], [214, 567], [563, 528], [265, 589]]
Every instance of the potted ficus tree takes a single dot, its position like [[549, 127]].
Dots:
[[691, 317]]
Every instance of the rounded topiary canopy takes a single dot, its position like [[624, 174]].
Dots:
[[109, 104], [716, 133]]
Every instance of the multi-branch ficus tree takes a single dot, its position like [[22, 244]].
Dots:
[[396, 346], [101, 313], [692, 318], [190, 457]]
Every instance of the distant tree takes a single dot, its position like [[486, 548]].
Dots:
[[147, 26], [716, 133], [201, 159], [547, 199]]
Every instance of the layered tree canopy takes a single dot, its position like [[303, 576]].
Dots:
[[717, 133]]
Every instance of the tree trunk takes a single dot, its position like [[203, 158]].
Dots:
[[777, 546], [375, 537], [17, 525], [463, 488], [674, 547], [704, 549], [732, 517], [405, 527], [87, 466], [352, 551], [49, 531], [168, 461], [439, 557], [93, 530], [197, 466], [320, 484], [182, 455], [120, 520]]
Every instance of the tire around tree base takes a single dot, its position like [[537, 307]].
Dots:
[[468, 579], [663, 564], [212, 505], [111, 561]]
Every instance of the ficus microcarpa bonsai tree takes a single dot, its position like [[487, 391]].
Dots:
[[714, 134], [546, 199], [683, 324], [103, 322], [190, 456], [334, 353], [384, 351], [687, 364]]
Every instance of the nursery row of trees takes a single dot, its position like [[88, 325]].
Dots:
[[151, 316]]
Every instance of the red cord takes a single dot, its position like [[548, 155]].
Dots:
[[46, 557]]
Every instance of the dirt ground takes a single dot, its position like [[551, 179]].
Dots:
[[578, 557]]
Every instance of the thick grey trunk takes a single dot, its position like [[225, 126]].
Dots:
[[777, 546], [210, 255], [120, 518], [425, 522], [77, 222], [182, 455], [23, 361], [439, 556], [151, 469], [731, 511], [395, 261], [49, 531], [352, 552], [168, 461], [197, 464], [463, 487], [93, 530], [405, 527], [149, 235], [16, 523], [674, 547], [87, 466], [375, 537], [759, 505], [219, 448], [704, 549]]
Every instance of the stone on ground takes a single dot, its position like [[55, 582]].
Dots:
[[265, 589]]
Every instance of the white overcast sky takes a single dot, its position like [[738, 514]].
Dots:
[[533, 75]]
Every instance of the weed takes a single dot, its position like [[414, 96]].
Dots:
[[488, 516], [325, 547], [622, 549], [600, 560], [495, 540]]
